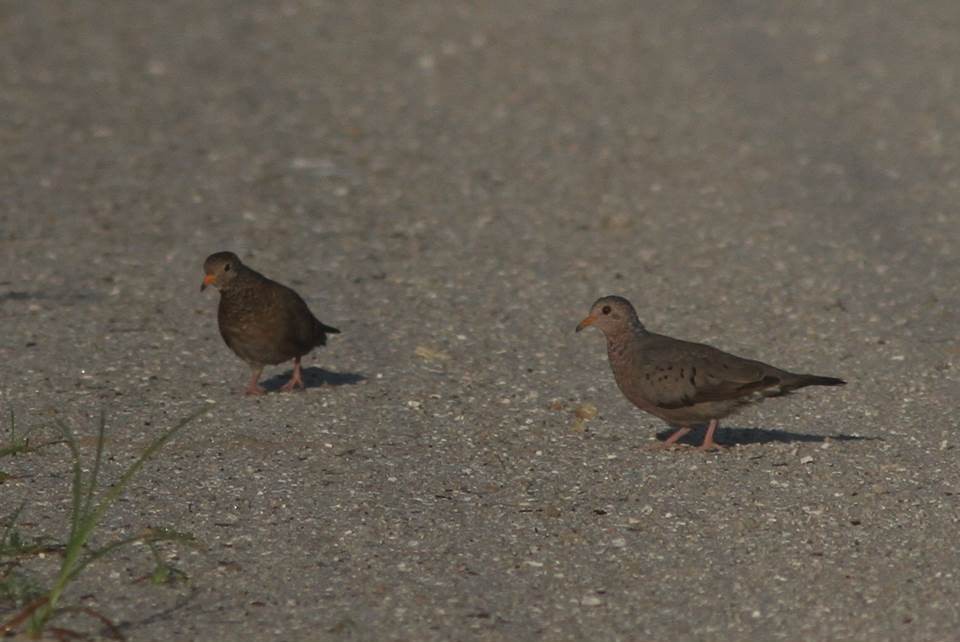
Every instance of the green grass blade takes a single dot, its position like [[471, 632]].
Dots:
[[117, 489], [97, 554], [15, 445], [92, 481], [77, 487], [159, 534], [150, 537], [12, 449], [11, 524]]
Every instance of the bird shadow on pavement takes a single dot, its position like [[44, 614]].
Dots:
[[314, 377], [744, 436]]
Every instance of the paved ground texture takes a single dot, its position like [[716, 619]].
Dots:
[[452, 184]]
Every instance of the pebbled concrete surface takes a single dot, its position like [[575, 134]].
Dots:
[[452, 185]]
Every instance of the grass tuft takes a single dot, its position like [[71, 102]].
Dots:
[[89, 504]]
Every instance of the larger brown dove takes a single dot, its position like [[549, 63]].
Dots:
[[684, 383], [262, 321]]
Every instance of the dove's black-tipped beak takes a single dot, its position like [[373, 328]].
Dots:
[[585, 323]]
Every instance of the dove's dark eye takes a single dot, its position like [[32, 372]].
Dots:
[[606, 309], [226, 268]]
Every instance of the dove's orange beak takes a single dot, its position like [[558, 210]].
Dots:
[[586, 322], [208, 279]]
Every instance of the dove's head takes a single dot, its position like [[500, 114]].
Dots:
[[220, 270], [613, 315]]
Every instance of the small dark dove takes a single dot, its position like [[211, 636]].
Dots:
[[262, 321]]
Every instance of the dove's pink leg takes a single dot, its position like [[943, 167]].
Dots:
[[672, 439], [296, 380], [253, 388], [708, 442]]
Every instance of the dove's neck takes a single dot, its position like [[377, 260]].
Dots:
[[619, 342], [245, 279]]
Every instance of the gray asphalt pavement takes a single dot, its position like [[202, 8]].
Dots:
[[452, 184]]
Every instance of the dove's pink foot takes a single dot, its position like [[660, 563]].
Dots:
[[253, 388], [296, 380], [671, 441]]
